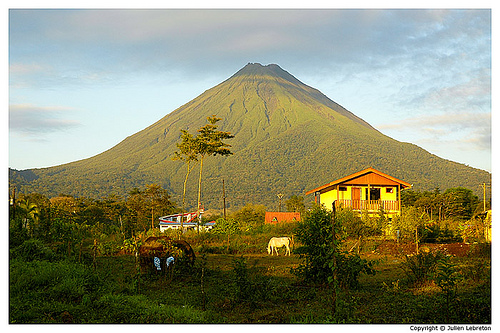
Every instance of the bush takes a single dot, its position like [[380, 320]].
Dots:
[[350, 268], [314, 233], [477, 271], [243, 286], [255, 288], [435, 234], [447, 278], [480, 250], [318, 249], [40, 291], [420, 268], [64, 291], [17, 234], [32, 249], [351, 221]]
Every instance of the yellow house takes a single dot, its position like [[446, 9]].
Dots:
[[364, 191]]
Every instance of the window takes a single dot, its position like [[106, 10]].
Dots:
[[389, 190], [374, 193], [342, 188]]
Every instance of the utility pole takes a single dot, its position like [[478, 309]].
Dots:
[[13, 202], [152, 216], [334, 253], [484, 185], [224, 198]]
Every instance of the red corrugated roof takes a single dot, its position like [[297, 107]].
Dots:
[[277, 217]]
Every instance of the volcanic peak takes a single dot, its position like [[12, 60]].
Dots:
[[273, 70]]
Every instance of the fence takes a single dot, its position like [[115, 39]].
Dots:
[[369, 205]]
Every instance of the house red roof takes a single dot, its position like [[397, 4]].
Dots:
[[277, 217], [368, 176]]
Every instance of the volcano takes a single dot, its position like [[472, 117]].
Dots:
[[289, 138]]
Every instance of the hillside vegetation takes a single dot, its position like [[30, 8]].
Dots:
[[72, 260], [289, 138]]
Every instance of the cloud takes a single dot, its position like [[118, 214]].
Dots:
[[467, 129], [456, 92], [190, 39], [32, 121], [31, 68]]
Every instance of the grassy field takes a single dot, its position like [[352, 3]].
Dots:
[[248, 287]]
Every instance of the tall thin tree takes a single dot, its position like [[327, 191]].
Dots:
[[188, 153], [209, 142]]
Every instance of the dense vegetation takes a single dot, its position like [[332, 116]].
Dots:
[[72, 261], [288, 138]]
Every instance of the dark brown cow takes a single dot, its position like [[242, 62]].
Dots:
[[162, 247]]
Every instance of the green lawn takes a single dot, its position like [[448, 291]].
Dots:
[[224, 288]]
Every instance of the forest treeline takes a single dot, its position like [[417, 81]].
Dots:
[[450, 215]]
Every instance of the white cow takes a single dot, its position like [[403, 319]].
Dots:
[[276, 242]]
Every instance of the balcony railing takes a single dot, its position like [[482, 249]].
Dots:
[[369, 205]]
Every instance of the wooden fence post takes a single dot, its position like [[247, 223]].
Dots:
[[334, 253]]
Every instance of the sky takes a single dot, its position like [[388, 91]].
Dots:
[[81, 81]]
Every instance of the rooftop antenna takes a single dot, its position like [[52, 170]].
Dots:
[[280, 196]]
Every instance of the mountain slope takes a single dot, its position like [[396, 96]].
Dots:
[[289, 138]]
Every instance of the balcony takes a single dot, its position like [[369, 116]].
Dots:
[[369, 205]]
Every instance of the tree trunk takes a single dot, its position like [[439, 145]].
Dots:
[[199, 195], [184, 194], [185, 184], [416, 239], [199, 182]]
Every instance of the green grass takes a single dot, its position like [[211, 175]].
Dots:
[[248, 288]]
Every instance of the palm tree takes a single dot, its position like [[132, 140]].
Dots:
[[31, 213]]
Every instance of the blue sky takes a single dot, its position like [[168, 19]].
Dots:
[[81, 81]]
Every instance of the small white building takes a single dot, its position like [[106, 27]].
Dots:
[[190, 221]]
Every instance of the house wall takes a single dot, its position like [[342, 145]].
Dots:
[[329, 197], [389, 196]]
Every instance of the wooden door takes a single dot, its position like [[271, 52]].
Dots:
[[356, 197]]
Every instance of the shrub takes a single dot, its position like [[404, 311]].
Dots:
[[420, 268], [447, 277], [479, 270], [351, 221], [314, 233], [480, 250], [319, 249], [226, 227], [350, 268], [433, 233], [242, 283], [32, 249], [40, 291], [17, 234], [254, 288], [250, 217]]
